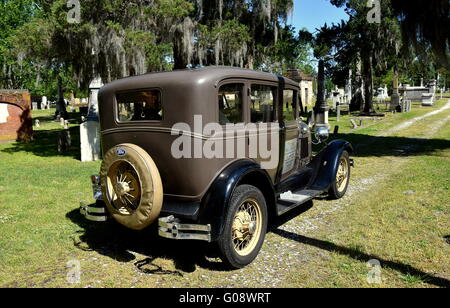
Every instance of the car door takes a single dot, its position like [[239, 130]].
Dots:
[[263, 126], [289, 132]]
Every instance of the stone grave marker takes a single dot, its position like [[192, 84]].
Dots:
[[64, 141], [90, 130], [427, 99]]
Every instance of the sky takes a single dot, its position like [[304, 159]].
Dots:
[[313, 14]]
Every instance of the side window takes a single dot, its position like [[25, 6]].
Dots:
[[262, 105], [230, 104], [290, 105], [139, 106]]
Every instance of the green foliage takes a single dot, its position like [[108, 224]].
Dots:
[[116, 39]]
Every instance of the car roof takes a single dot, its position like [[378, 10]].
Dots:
[[212, 75]]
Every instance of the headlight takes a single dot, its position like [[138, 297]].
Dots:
[[322, 134]]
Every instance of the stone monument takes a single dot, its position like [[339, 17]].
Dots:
[[395, 99], [90, 130]]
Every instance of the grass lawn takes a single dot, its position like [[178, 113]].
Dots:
[[397, 212]]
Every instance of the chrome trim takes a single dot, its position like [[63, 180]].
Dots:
[[98, 195], [97, 187], [87, 212], [96, 210], [352, 163], [171, 228]]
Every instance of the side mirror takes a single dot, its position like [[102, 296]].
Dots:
[[322, 134]]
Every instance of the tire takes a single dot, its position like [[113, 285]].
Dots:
[[131, 186], [245, 196], [341, 181]]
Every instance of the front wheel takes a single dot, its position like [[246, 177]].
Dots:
[[244, 228], [340, 184]]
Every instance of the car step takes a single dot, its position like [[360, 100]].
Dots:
[[289, 201]]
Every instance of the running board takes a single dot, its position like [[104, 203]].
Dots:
[[289, 201]]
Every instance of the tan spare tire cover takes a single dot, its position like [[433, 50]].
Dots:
[[131, 186]]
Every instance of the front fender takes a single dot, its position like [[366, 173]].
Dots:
[[215, 203], [327, 163]]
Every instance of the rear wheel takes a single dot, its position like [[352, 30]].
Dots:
[[342, 179], [244, 228]]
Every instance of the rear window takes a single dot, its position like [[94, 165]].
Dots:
[[139, 106], [230, 104]]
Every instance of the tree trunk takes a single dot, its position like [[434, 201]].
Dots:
[[368, 84], [178, 56], [358, 99], [61, 111]]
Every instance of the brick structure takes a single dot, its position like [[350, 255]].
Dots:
[[15, 115]]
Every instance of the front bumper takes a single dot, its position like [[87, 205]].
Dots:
[[171, 228]]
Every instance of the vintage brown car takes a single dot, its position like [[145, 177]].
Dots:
[[162, 137]]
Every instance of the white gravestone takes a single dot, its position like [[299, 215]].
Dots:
[[90, 130], [427, 99], [94, 88], [4, 114], [44, 103], [90, 141]]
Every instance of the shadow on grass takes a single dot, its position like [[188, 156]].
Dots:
[[43, 119], [73, 117], [45, 144], [116, 242], [363, 257], [369, 146], [447, 239]]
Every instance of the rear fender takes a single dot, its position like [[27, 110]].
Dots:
[[215, 203]]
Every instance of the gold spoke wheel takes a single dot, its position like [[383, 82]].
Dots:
[[342, 175], [246, 228], [124, 187]]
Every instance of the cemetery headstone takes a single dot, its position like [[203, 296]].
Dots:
[[64, 141], [336, 99], [45, 103], [90, 130], [37, 123], [427, 99], [90, 141]]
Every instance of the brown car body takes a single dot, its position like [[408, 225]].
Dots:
[[184, 93], [198, 190]]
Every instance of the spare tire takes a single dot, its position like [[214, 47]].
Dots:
[[131, 186]]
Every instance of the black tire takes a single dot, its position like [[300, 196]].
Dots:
[[337, 189], [243, 196]]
